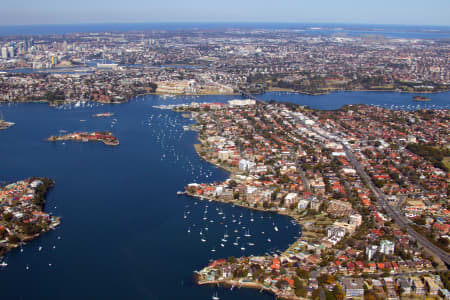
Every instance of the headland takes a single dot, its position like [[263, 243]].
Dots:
[[22, 210]]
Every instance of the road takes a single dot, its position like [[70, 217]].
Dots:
[[398, 217], [395, 215]]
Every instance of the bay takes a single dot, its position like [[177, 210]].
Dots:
[[123, 231], [335, 100]]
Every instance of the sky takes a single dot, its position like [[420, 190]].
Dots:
[[407, 12]]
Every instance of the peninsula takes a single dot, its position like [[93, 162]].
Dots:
[[350, 177], [105, 137], [22, 215]]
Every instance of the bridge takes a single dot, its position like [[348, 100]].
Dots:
[[250, 96]]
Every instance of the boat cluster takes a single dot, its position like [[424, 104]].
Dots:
[[4, 264], [168, 130], [236, 227]]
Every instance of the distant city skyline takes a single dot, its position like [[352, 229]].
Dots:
[[395, 12]]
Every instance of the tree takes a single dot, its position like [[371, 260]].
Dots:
[[325, 279], [420, 221], [301, 292], [329, 295], [281, 284], [13, 239], [30, 229], [315, 294], [302, 273], [298, 283], [338, 292], [232, 260], [8, 217], [370, 296], [443, 241]]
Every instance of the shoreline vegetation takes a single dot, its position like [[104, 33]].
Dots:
[[24, 218]]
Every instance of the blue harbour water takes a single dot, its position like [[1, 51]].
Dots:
[[391, 100], [123, 233]]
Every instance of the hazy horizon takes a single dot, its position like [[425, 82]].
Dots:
[[226, 23], [382, 12]]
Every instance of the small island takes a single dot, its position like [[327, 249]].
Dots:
[[106, 137], [22, 215], [421, 98], [103, 115]]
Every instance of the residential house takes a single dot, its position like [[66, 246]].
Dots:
[[353, 287]]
